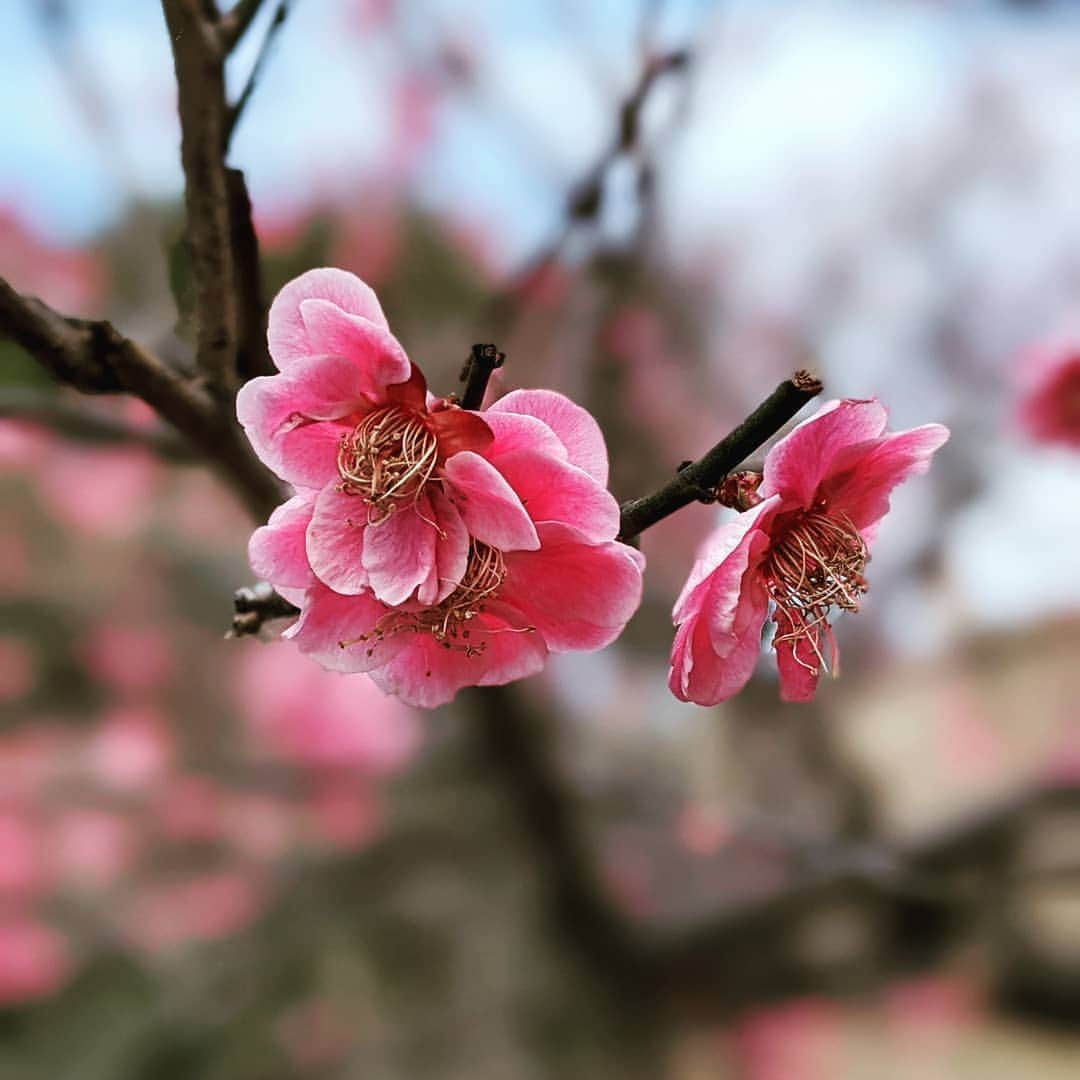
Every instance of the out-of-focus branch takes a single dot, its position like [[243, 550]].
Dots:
[[235, 23], [255, 605], [199, 58], [235, 111], [701, 477], [94, 357], [585, 199], [76, 421]]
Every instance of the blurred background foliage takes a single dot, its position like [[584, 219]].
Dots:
[[218, 861]]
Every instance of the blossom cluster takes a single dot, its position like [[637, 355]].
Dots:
[[431, 546], [435, 547]]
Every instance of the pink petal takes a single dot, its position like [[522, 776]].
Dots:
[[556, 491], [488, 505], [798, 463], [451, 552], [698, 673], [460, 430], [514, 432], [574, 426], [412, 393], [578, 596], [330, 628], [373, 350], [721, 611], [295, 420], [797, 682], [276, 550], [335, 540], [426, 674], [287, 333], [862, 477], [399, 552]]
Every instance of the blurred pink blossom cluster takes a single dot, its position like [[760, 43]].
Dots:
[[1048, 402]]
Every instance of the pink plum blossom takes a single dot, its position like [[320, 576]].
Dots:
[[1048, 406], [802, 548], [392, 484], [511, 605], [34, 960]]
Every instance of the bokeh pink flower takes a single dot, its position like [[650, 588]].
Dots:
[[1048, 403], [802, 549]]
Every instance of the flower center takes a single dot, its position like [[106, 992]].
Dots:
[[387, 459], [817, 564], [446, 622]]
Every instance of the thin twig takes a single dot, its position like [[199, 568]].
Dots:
[[235, 111], [701, 476], [237, 21]]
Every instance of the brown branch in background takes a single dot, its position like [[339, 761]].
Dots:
[[586, 197], [701, 477], [199, 58], [235, 23], [75, 420], [235, 111], [94, 357]]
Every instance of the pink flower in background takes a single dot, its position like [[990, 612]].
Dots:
[[205, 906], [92, 848], [22, 870], [34, 960], [129, 658], [320, 719], [803, 548], [1048, 407], [511, 606], [392, 484], [131, 749]]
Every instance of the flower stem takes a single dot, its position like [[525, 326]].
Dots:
[[476, 373]]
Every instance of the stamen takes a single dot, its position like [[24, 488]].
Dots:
[[387, 458], [447, 621], [816, 565]]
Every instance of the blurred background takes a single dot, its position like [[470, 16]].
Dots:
[[218, 861]]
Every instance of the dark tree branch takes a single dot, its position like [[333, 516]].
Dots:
[[701, 477], [199, 58], [96, 358], [255, 605], [476, 373]]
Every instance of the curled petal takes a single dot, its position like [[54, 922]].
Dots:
[[287, 333], [412, 392], [801, 460], [451, 552], [488, 505], [373, 350], [515, 432], [295, 420], [556, 491], [697, 672], [335, 540], [863, 476], [399, 552], [799, 667], [578, 596], [574, 426], [459, 429], [276, 551]]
